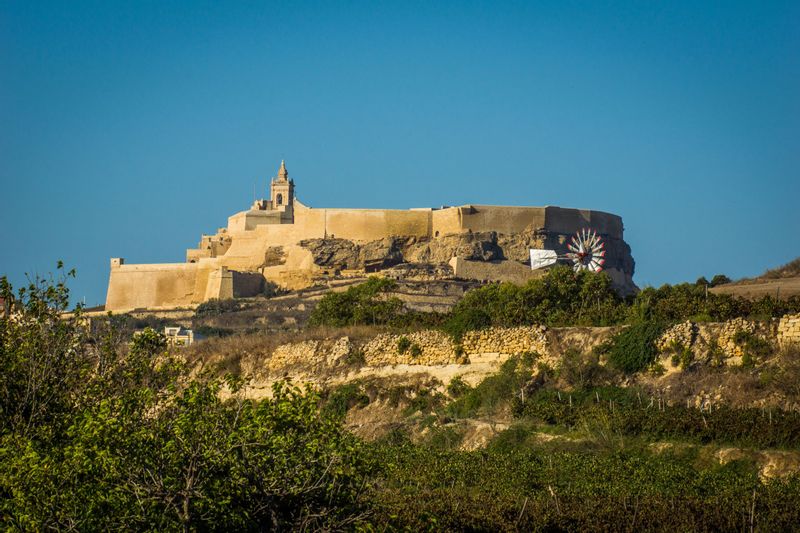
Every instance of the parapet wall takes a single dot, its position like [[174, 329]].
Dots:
[[175, 285], [144, 286]]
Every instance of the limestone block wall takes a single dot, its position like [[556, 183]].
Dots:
[[375, 224], [502, 219], [437, 349], [311, 355], [702, 337], [147, 286], [683, 334], [789, 330], [506, 340]]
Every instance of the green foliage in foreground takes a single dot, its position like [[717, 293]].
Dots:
[[511, 380], [96, 435], [94, 438]]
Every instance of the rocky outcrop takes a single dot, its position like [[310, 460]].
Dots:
[[344, 254], [487, 247], [474, 246]]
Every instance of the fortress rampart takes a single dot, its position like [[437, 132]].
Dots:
[[275, 240]]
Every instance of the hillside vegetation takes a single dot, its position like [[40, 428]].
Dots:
[[100, 430], [560, 298], [790, 269]]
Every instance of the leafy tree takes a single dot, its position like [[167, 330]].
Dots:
[[719, 279], [99, 435], [361, 304]]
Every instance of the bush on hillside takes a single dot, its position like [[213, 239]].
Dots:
[[634, 348], [363, 304], [560, 297]]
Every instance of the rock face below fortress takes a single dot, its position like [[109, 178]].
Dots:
[[285, 242]]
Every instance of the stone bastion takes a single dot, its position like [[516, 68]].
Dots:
[[283, 241]]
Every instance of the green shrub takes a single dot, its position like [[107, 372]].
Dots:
[[634, 348], [403, 344], [362, 304], [463, 320], [423, 401], [719, 279], [343, 398], [494, 390], [415, 350], [458, 387], [754, 347], [580, 370], [560, 297]]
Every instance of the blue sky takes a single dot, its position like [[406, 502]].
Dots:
[[130, 128]]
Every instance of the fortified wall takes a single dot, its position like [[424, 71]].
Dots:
[[286, 242]]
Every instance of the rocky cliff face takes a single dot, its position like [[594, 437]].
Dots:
[[433, 254], [343, 254]]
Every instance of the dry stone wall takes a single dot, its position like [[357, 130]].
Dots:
[[506, 340], [433, 347], [309, 355], [436, 348], [719, 339], [789, 330], [683, 334]]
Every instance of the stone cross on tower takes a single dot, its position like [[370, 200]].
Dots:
[[282, 189]]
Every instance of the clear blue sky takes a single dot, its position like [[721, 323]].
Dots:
[[130, 128]]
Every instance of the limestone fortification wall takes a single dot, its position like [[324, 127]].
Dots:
[[176, 285], [266, 240], [435, 348], [137, 286]]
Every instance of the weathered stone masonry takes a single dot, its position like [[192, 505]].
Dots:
[[283, 241]]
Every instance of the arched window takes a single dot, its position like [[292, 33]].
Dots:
[[280, 199]]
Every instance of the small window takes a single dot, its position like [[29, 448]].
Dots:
[[280, 199], [437, 234]]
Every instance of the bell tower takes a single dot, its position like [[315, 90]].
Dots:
[[282, 189]]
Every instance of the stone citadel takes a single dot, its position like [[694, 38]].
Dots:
[[283, 241]]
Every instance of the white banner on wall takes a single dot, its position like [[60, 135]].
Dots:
[[543, 258]]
